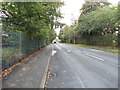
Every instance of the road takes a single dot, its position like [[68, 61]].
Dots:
[[76, 67]]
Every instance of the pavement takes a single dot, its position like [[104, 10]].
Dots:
[[72, 67], [76, 67], [31, 74]]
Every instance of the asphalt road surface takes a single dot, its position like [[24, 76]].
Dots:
[[76, 67]]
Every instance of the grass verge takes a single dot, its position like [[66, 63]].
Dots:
[[112, 50]]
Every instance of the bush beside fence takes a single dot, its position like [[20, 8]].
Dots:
[[17, 45]]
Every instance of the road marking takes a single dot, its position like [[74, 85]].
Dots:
[[95, 57], [78, 51], [58, 46], [64, 71], [54, 52], [68, 50], [80, 80], [95, 50], [108, 72]]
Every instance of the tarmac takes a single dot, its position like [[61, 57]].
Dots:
[[31, 74]]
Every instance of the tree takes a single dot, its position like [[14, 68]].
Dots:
[[35, 18], [92, 6], [68, 34], [98, 27], [93, 24]]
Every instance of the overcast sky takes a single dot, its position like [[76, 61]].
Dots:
[[71, 10]]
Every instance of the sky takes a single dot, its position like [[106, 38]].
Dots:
[[71, 11]]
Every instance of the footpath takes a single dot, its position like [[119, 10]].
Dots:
[[31, 74]]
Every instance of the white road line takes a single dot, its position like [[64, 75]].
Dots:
[[54, 52], [78, 51], [58, 46], [95, 50], [95, 57], [68, 51], [80, 80]]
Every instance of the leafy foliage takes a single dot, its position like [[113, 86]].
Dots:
[[28, 26], [92, 6], [37, 19], [100, 22], [68, 34], [97, 26]]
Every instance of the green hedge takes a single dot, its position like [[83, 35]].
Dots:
[[107, 40]]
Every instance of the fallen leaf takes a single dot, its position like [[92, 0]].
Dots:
[[17, 80], [37, 80]]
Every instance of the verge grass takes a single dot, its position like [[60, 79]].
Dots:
[[112, 50]]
